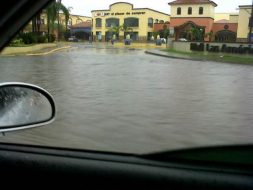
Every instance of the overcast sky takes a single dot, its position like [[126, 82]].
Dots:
[[84, 7]]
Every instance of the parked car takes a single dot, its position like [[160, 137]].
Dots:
[[164, 40], [73, 39], [182, 40]]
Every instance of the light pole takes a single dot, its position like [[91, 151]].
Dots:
[[251, 23], [59, 1]]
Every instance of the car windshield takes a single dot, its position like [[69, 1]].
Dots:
[[126, 84]]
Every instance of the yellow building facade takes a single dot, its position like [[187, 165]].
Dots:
[[141, 20], [221, 16], [73, 19], [243, 23], [231, 17], [208, 10]]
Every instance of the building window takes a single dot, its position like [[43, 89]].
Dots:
[[99, 35], [98, 22], [150, 23], [110, 22], [201, 10], [109, 36], [156, 20], [251, 23], [79, 21], [133, 35], [42, 21], [132, 22], [150, 34], [179, 11], [189, 10], [69, 23], [161, 21]]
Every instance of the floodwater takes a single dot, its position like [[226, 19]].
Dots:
[[121, 100]]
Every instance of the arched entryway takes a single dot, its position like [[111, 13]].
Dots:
[[225, 36], [183, 30]]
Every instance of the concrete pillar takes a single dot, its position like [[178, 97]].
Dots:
[[170, 40]]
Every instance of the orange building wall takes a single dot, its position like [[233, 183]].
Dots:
[[159, 26], [207, 22], [218, 27]]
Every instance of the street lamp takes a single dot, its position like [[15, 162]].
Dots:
[[59, 1], [251, 23]]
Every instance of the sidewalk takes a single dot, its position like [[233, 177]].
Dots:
[[43, 50], [158, 52], [193, 58]]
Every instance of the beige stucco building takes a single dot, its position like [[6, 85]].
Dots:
[[141, 20], [243, 23]]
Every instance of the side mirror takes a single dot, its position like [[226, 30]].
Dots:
[[24, 106]]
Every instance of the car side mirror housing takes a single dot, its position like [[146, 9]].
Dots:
[[24, 106]]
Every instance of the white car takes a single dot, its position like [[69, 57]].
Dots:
[[73, 39], [164, 40], [182, 40]]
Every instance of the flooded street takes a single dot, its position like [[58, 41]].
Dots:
[[121, 100]]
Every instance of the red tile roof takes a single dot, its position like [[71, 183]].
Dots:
[[191, 1], [82, 25], [222, 21]]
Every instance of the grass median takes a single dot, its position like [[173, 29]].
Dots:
[[218, 57], [21, 45]]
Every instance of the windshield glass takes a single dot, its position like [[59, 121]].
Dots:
[[158, 77]]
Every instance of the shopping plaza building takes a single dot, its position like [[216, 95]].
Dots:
[[141, 20], [227, 27]]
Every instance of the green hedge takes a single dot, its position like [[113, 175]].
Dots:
[[50, 37], [42, 39], [28, 38], [31, 38]]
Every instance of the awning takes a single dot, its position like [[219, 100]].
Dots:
[[87, 30]]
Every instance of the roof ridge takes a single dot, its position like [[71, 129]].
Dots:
[[191, 1]]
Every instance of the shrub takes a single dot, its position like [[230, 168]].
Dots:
[[50, 37], [16, 41], [28, 38], [53, 37], [41, 39]]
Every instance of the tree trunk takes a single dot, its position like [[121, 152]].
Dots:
[[66, 33], [48, 28]]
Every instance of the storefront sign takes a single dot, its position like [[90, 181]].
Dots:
[[224, 48], [101, 14], [117, 14], [171, 30]]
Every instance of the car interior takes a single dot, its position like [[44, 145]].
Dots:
[[228, 167]]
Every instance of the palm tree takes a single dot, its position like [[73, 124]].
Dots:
[[66, 12], [166, 33], [115, 29], [201, 34], [211, 35], [195, 33], [52, 13], [125, 27], [36, 24]]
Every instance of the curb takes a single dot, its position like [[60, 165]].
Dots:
[[49, 51], [173, 57], [136, 46], [202, 59]]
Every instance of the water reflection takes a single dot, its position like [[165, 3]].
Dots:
[[126, 101], [22, 106]]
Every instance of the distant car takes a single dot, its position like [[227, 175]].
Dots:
[[164, 40], [182, 40], [73, 39]]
